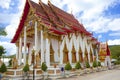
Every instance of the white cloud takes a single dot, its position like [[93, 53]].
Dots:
[[115, 34], [6, 18], [114, 42], [92, 16], [5, 3], [10, 48], [11, 29], [99, 36], [114, 25]]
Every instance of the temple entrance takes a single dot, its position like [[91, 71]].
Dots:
[[65, 54], [51, 54], [86, 55], [80, 55], [91, 56], [73, 55]]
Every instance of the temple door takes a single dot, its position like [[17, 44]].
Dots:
[[73, 55], [51, 54], [65, 54], [80, 55], [91, 56], [86, 55]]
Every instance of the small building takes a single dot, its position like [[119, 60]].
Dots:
[[105, 54], [56, 36]]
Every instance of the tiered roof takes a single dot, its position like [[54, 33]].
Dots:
[[58, 21]]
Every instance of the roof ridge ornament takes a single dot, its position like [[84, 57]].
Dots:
[[40, 1], [49, 1]]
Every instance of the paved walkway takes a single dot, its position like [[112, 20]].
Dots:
[[103, 75]]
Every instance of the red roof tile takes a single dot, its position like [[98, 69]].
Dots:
[[53, 17]]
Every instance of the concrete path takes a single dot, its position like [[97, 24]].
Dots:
[[103, 75]]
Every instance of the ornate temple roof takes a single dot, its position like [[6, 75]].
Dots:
[[58, 21]]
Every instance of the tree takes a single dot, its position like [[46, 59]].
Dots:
[[3, 68], [2, 51], [2, 31], [44, 67], [77, 65], [99, 63], [10, 62], [26, 68], [115, 51], [95, 64], [68, 66], [87, 65]]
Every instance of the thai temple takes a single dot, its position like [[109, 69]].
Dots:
[[105, 54], [56, 37]]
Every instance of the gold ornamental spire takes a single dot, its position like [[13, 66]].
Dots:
[[49, 1], [39, 1]]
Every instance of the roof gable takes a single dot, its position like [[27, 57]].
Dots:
[[21, 24], [55, 19]]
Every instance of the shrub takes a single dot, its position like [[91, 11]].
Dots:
[[87, 65], [117, 62], [77, 65], [68, 66], [94, 64], [3, 68], [44, 66], [99, 63], [10, 62], [26, 68]]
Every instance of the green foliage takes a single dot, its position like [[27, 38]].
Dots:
[[77, 65], [3, 68], [2, 32], [26, 68], [87, 65], [115, 51], [99, 63], [44, 67], [2, 50], [10, 62], [68, 66], [9, 56], [117, 62], [95, 63]]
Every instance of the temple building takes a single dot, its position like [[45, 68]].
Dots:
[[56, 36], [105, 54]]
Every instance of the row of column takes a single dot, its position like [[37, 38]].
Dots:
[[45, 47], [78, 43]]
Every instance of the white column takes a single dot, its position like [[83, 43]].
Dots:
[[76, 45], [17, 51], [42, 49], [47, 52], [25, 50], [30, 54], [20, 51], [61, 52], [69, 47], [36, 38]]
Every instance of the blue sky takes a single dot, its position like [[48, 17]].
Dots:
[[101, 17]]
